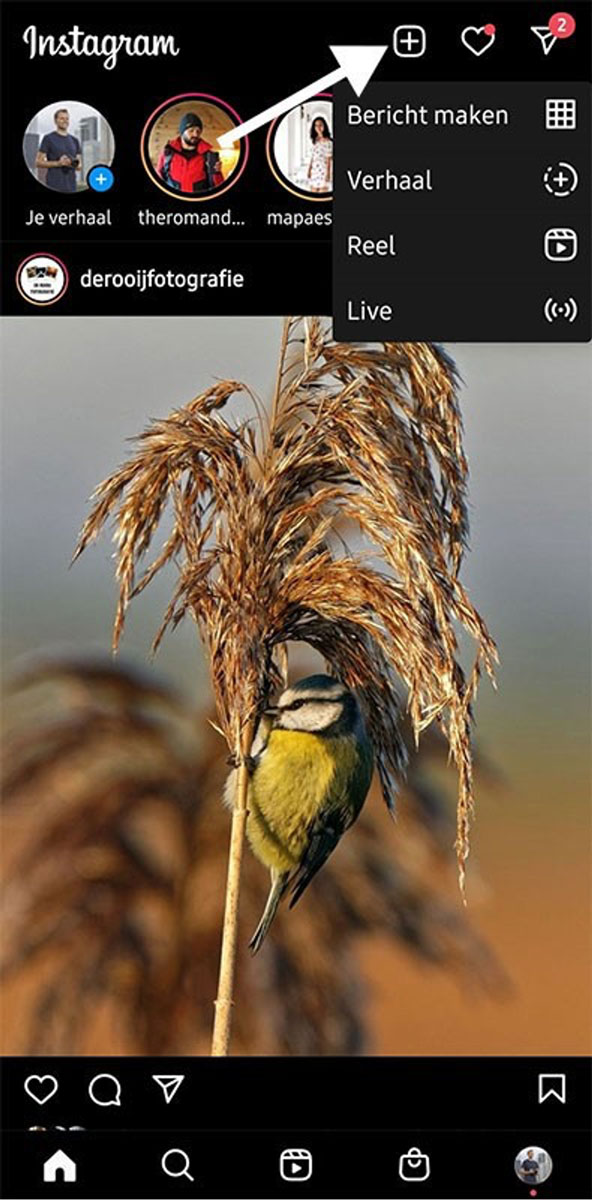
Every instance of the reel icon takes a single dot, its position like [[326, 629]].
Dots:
[[556, 310]]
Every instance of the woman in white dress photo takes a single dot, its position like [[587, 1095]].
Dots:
[[320, 167]]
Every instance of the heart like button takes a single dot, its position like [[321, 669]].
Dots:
[[41, 1088], [478, 39]]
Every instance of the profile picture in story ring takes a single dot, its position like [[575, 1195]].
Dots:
[[300, 149], [63, 142], [180, 150]]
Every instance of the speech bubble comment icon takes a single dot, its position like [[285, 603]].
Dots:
[[105, 1090]]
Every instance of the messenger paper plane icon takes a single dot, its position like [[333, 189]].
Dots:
[[552, 1087], [170, 1085]]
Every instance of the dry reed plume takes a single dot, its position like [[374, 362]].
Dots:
[[115, 884], [366, 439]]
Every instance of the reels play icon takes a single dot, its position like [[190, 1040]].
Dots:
[[296, 1165], [561, 245]]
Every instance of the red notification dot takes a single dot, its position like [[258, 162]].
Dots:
[[489, 30], [562, 25]]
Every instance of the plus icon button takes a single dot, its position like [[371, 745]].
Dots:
[[409, 41], [100, 178]]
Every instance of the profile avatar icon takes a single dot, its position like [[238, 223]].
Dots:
[[533, 1165]]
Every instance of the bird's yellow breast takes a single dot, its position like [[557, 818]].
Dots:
[[297, 775]]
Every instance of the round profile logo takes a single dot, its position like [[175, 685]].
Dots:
[[180, 149], [42, 279]]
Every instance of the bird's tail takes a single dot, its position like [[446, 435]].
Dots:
[[279, 883]]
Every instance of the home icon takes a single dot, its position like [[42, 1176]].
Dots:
[[59, 1164]]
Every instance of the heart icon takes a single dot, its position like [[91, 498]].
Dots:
[[41, 1088], [478, 39]]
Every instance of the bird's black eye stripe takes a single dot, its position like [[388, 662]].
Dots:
[[309, 700]]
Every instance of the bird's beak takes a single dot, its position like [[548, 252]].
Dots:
[[271, 712]]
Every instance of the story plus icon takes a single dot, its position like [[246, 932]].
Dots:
[[560, 179]]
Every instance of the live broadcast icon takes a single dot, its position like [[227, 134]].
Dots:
[[552, 1087]]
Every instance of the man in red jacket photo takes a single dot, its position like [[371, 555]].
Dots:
[[188, 163]]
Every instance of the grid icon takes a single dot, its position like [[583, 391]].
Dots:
[[560, 114]]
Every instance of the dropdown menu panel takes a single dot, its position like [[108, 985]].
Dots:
[[462, 212]]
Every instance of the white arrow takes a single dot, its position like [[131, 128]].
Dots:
[[356, 63]]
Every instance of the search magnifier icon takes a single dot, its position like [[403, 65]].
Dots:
[[180, 1164]]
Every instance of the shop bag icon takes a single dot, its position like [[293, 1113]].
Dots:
[[414, 1167]]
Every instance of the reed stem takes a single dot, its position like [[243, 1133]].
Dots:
[[224, 1001]]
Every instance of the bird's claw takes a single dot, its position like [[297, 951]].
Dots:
[[235, 761]]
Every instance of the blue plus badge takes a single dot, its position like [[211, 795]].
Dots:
[[100, 178]]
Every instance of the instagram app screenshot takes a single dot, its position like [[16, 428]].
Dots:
[[296, 393]]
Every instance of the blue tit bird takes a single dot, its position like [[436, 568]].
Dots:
[[310, 770]]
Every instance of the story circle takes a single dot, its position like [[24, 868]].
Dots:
[[62, 143], [210, 170], [290, 148]]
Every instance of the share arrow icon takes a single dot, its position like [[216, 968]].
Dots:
[[170, 1085]]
